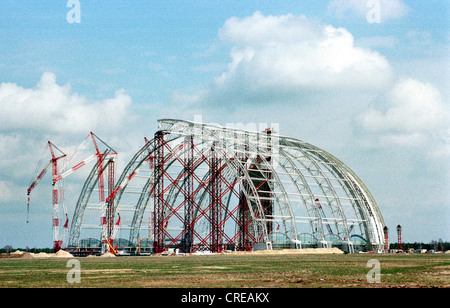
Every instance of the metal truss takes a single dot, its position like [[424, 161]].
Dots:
[[207, 187]]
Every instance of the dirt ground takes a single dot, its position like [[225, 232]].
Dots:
[[280, 269]]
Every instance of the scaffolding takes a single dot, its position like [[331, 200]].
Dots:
[[207, 187]]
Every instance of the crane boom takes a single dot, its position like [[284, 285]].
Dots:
[[74, 168], [33, 185], [122, 185], [52, 162], [38, 178]]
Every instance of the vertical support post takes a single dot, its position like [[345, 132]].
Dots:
[[268, 203], [399, 238], [158, 230], [244, 221], [110, 205], [104, 206], [215, 200], [386, 239], [101, 183], [188, 194], [101, 198], [244, 216], [57, 243]]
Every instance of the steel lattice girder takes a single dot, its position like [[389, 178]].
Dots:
[[267, 184]]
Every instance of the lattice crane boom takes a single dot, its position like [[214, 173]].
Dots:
[[34, 184], [74, 168], [45, 169]]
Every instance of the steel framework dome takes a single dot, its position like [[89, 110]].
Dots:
[[198, 186]]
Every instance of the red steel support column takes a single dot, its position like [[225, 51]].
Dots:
[[189, 194], [158, 230], [110, 205], [399, 238], [386, 239], [215, 199]]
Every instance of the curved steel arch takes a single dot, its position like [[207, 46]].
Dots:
[[320, 178], [86, 192], [75, 227], [264, 180], [372, 220]]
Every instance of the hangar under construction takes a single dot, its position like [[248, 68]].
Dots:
[[202, 187]]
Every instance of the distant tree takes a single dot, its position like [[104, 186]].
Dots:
[[8, 248], [434, 245], [441, 245]]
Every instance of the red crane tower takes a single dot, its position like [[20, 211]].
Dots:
[[399, 238], [57, 240], [386, 239]]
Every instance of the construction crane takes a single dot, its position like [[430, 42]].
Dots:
[[57, 241], [57, 176], [109, 240]]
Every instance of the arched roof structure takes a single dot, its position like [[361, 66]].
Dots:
[[202, 186]]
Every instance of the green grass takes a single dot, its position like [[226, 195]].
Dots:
[[227, 270]]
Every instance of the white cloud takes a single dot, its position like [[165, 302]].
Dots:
[[29, 117], [389, 9], [414, 114], [6, 193], [52, 108], [377, 41], [284, 57]]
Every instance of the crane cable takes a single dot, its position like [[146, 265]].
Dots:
[[38, 167]]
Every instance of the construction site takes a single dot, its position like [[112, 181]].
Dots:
[[204, 188]]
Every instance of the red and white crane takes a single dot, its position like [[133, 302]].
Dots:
[[109, 240], [57, 241], [58, 175]]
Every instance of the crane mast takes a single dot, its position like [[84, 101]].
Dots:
[[57, 241]]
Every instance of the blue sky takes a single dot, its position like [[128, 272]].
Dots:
[[384, 113], [122, 45]]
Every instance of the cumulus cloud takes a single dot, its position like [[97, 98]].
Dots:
[[388, 9], [288, 56], [50, 107], [5, 192], [414, 113], [29, 117]]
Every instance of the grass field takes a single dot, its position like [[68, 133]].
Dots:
[[231, 271]]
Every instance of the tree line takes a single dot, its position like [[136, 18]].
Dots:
[[10, 249], [433, 245]]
